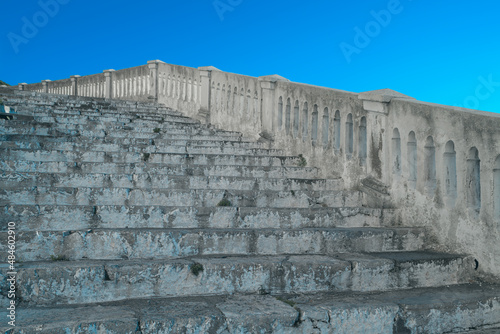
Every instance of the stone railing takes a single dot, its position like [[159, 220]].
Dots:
[[441, 165]]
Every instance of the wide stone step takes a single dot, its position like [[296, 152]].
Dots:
[[119, 132], [115, 244], [123, 142], [183, 147], [11, 141], [68, 218], [69, 105], [158, 169], [178, 197], [85, 116], [154, 158], [473, 309], [73, 282], [109, 125], [121, 137], [13, 181]]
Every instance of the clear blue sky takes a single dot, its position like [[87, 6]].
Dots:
[[445, 52]]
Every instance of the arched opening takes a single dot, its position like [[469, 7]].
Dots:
[[496, 189], [336, 131], [296, 110], [450, 172], [430, 165], [362, 152], [396, 152], [326, 127], [314, 125], [280, 112], [473, 180], [412, 160], [349, 145], [287, 116], [305, 121]]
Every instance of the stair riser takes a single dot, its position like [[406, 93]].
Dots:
[[110, 133], [166, 197], [155, 158], [131, 143], [157, 148], [134, 244], [67, 218], [109, 125], [15, 181], [102, 116], [158, 169], [61, 284]]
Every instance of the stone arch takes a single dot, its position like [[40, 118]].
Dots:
[[242, 103], [248, 106], [280, 113], [412, 159], [336, 131], [296, 112], [396, 152], [288, 115], [450, 172], [473, 180], [314, 125], [496, 189], [362, 141], [325, 127], [305, 121], [228, 99], [349, 136], [430, 164]]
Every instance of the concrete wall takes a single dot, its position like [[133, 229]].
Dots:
[[440, 164], [457, 188]]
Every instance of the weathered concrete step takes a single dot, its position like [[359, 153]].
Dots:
[[67, 218], [115, 244], [117, 132], [95, 146], [32, 103], [85, 116], [179, 197], [158, 169], [73, 282], [121, 142], [108, 125], [13, 181], [125, 139], [92, 117], [419, 311], [153, 158], [471, 308]]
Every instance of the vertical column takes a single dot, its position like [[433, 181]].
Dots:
[[268, 107], [376, 104], [269, 115], [22, 86], [205, 82], [45, 85], [108, 84], [74, 85], [153, 78], [205, 94]]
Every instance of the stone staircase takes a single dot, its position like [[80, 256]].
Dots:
[[132, 218]]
